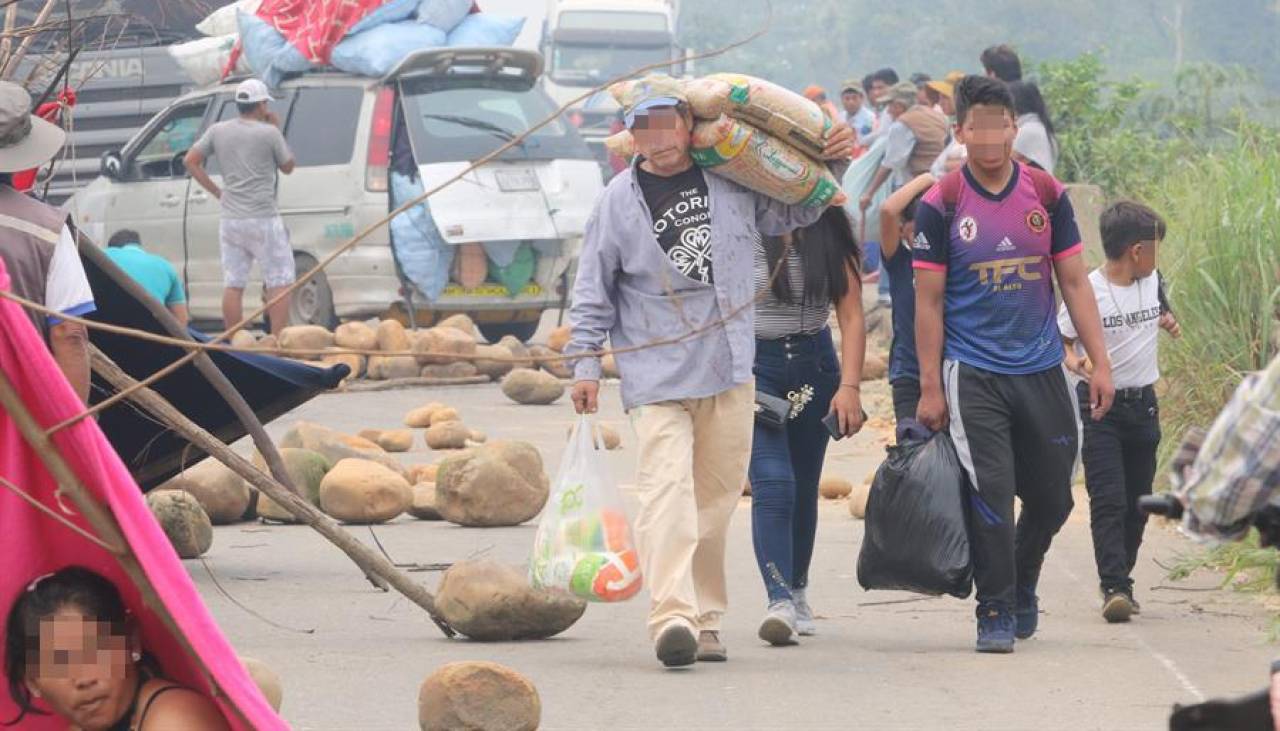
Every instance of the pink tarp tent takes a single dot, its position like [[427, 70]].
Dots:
[[33, 544]]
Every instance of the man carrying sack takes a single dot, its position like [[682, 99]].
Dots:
[[668, 251]]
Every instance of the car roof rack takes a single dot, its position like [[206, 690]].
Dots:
[[515, 64]]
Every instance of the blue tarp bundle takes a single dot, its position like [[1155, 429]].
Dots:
[[424, 257]]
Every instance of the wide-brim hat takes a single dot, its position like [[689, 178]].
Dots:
[[26, 141], [903, 92]]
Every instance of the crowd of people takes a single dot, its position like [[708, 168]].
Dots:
[[973, 234]]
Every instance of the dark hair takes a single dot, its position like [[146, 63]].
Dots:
[[920, 78], [1027, 100], [247, 107], [827, 250], [974, 90], [1126, 223], [1003, 62], [887, 75], [124, 237], [74, 586], [866, 83]]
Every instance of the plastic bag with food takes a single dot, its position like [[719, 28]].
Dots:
[[779, 111], [584, 544]]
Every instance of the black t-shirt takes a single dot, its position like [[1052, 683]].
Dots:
[[681, 210]]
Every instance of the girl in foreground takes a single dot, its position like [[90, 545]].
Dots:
[[70, 642]]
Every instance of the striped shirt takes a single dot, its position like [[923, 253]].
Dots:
[[777, 319]]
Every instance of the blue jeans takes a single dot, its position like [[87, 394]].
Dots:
[[786, 463]]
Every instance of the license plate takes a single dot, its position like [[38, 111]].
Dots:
[[512, 181]]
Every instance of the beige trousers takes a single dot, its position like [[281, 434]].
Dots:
[[693, 463]]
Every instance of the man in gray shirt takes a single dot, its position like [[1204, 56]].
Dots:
[[250, 149], [668, 258]]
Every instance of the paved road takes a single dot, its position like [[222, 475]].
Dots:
[[881, 660]]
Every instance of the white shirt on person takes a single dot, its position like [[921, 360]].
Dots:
[[1034, 143], [1130, 328], [67, 287]]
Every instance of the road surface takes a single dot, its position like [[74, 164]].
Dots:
[[881, 660]]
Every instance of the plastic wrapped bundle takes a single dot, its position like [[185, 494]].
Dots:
[[780, 112], [759, 161]]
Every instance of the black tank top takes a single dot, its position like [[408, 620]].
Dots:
[[124, 723]]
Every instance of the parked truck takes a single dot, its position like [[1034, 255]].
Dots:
[[588, 42]]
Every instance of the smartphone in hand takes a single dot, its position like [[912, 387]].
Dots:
[[832, 423]]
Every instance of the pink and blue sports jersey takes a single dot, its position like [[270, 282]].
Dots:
[[998, 252]]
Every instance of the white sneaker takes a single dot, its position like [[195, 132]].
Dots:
[[779, 625], [805, 624]]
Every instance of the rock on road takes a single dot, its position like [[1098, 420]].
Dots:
[[881, 660]]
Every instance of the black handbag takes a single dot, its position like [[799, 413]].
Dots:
[[772, 411]]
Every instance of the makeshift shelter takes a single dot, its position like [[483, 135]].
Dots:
[[114, 532]]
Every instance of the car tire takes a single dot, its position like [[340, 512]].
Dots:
[[495, 331], [312, 301]]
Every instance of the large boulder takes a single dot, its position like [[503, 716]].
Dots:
[[527, 386], [423, 506], [420, 418], [498, 484], [267, 342], [336, 446], [443, 345], [834, 488], [478, 696], [546, 359], [361, 491], [559, 338], [448, 413], [223, 494], [499, 366], [874, 367], [356, 336], [490, 601], [266, 680], [306, 337], [356, 362], [184, 522], [392, 337], [462, 323], [243, 339], [390, 440], [858, 500], [306, 469], [448, 435], [423, 473], [389, 368], [518, 350]]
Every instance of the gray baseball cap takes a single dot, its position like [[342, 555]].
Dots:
[[26, 141]]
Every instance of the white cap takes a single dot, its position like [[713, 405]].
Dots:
[[252, 91]]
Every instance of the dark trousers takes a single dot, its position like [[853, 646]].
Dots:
[[786, 463], [1119, 466], [1016, 435]]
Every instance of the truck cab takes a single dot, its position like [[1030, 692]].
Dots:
[[588, 42]]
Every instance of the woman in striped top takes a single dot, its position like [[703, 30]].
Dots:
[[796, 360]]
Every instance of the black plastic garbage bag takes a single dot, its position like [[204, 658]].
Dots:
[[916, 536]]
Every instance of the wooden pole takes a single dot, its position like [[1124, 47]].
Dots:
[[373, 564], [99, 518], [11, 62], [6, 44]]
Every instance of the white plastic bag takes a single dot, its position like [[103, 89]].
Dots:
[[584, 542], [204, 59], [222, 21]]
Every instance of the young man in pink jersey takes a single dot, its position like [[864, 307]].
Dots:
[[989, 239]]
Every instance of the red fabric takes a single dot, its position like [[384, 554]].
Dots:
[[33, 544], [50, 112], [314, 27]]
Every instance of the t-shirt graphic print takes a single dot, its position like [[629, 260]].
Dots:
[[681, 209]]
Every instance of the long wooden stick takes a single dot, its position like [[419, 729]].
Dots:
[[98, 517], [373, 564], [6, 44], [12, 62]]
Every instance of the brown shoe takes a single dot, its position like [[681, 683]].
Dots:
[[710, 648], [676, 646]]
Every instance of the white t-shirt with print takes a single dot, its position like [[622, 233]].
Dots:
[[1130, 327]]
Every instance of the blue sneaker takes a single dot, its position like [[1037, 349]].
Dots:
[[1027, 615], [995, 629]]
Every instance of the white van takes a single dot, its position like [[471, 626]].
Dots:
[[439, 110]]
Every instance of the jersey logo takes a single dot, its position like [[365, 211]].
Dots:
[[968, 229], [922, 242], [1007, 275], [1005, 245], [1036, 221]]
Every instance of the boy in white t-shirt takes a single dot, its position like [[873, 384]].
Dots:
[[1120, 451]]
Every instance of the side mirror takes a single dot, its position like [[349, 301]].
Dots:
[[111, 165]]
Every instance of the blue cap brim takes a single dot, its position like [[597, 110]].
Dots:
[[657, 101]]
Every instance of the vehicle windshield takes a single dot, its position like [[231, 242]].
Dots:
[[588, 65], [464, 123]]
